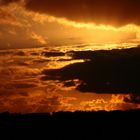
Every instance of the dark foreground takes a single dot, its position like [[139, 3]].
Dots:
[[64, 125]]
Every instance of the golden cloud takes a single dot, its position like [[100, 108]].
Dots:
[[38, 38]]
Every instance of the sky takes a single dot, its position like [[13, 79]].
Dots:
[[30, 23], [61, 55]]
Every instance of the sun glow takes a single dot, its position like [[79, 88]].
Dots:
[[91, 30], [43, 17], [45, 27]]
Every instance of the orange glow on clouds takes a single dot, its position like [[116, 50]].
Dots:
[[43, 18], [91, 28], [38, 27], [21, 70], [39, 38]]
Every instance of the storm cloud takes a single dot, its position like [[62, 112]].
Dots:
[[116, 13]]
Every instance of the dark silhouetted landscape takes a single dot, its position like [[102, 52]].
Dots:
[[73, 124]]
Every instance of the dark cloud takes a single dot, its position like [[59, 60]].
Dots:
[[5, 2], [119, 12], [114, 71], [133, 98], [20, 53], [52, 54]]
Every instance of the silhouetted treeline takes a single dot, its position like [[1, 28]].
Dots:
[[83, 124], [67, 119]]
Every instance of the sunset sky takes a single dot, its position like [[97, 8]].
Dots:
[[44, 43], [26, 23]]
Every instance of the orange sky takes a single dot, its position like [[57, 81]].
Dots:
[[33, 23], [32, 27]]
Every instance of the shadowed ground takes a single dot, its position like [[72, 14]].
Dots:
[[63, 125]]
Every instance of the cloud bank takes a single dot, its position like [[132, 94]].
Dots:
[[115, 71], [117, 13]]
